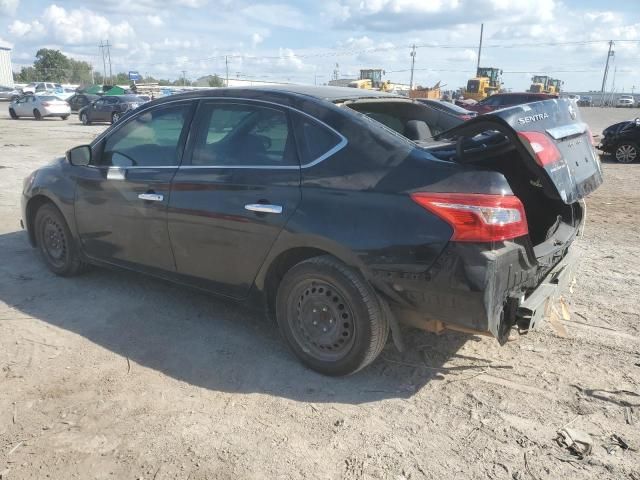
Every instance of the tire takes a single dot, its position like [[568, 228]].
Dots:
[[330, 316], [55, 242], [64, 117], [13, 114], [115, 116], [626, 152], [84, 118], [37, 114]]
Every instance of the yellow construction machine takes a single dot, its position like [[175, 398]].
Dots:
[[545, 84], [488, 80], [371, 79]]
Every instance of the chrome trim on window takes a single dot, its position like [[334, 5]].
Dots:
[[343, 141]]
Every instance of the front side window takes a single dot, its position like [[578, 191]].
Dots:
[[150, 139], [242, 135]]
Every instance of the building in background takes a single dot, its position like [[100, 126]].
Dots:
[[6, 72]]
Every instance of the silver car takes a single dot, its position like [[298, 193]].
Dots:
[[8, 93], [38, 107]]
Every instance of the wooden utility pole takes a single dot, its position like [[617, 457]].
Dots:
[[480, 47], [413, 64]]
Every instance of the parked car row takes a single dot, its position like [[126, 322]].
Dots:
[[90, 108]]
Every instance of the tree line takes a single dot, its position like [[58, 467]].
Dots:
[[54, 66]]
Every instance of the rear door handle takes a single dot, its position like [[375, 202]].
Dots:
[[263, 208], [151, 197]]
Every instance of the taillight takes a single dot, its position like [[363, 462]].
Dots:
[[477, 217], [465, 117], [593, 141], [46, 104], [545, 150]]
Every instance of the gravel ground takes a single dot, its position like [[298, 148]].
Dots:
[[115, 375]]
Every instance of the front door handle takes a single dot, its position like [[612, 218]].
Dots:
[[151, 197], [263, 208]]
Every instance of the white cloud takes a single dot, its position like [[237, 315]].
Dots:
[[32, 30], [276, 14], [155, 20], [256, 39], [82, 26], [9, 7]]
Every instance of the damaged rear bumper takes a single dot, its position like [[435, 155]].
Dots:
[[531, 312]]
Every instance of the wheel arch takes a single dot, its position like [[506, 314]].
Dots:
[[33, 205]]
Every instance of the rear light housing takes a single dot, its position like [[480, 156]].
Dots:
[[46, 104], [477, 217], [545, 150]]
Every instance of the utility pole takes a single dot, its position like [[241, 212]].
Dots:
[[226, 64], [480, 47], [104, 63], [184, 78], [336, 72], [108, 45], [610, 54], [413, 64]]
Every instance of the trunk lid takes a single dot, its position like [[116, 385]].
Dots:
[[570, 169]]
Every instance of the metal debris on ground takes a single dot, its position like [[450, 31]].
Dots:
[[579, 443]]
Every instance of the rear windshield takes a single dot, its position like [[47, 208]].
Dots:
[[48, 98], [130, 98]]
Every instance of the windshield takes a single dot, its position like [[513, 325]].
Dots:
[[47, 98], [473, 86]]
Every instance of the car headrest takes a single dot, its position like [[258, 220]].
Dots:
[[417, 130]]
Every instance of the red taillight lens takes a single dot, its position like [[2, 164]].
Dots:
[[46, 104], [593, 140], [545, 150], [477, 217], [465, 117]]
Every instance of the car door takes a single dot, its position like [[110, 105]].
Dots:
[[96, 110], [21, 106], [238, 186], [122, 197]]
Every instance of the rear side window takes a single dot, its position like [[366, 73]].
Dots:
[[243, 135], [151, 139], [315, 139]]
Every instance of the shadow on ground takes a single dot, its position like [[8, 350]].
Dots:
[[196, 338]]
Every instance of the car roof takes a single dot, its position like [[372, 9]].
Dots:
[[509, 94], [327, 93]]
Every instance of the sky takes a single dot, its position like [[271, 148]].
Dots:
[[301, 41]]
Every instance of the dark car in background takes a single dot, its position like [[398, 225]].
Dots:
[[332, 206], [108, 108], [622, 140], [79, 100], [448, 115], [504, 100]]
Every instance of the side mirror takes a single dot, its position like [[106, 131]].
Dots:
[[79, 156]]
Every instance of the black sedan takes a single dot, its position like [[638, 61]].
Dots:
[[79, 100], [622, 140], [335, 208], [108, 108]]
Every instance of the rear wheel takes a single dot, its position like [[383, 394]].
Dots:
[[84, 118], [56, 245], [13, 114], [330, 316], [37, 114], [627, 152], [64, 117]]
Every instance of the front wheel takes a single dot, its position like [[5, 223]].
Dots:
[[330, 316], [12, 114], [55, 242], [84, 118], [115, 117], [626, 152], [37, 114]]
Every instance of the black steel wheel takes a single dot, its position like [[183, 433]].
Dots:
[[627, 152], [330, 316], [55, 242]]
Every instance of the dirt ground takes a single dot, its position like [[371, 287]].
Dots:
[[115, 375]]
